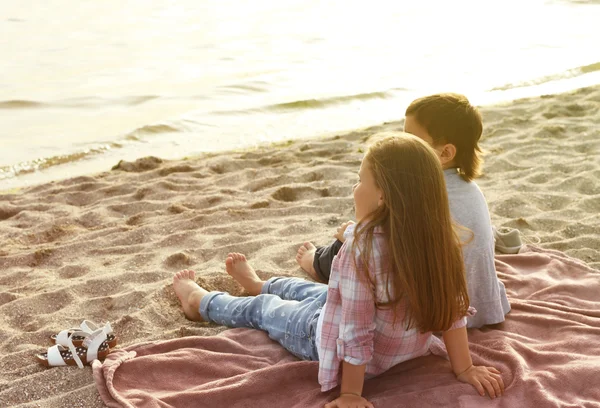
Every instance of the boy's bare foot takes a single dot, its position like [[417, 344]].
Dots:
[[189, 294], [305, 258], [238, 268]]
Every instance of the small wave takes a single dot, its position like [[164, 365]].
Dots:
[[590, 68], [311, 103], [594, 2], [138, 100], [20, 104], [85, 102], [46, 162], [256, 86], [574, 72], [325, 102], [95, 101], [42, 163], [150, 130]]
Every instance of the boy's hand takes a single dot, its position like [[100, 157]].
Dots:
[[484, 379], [339, 235], [349, 401]]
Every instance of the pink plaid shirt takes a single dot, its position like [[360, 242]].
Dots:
[[355, 331]]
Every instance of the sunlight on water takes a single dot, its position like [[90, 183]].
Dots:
[[213, 75]]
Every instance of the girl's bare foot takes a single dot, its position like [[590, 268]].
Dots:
[[189, 294], [238, 268], [305, 258]]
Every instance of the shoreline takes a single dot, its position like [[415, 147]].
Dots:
[[100, 156], [105, 246]]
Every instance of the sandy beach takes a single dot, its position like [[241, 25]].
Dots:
[[104, 247]]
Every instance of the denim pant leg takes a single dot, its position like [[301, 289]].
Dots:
[[292, 323], [293, 288]]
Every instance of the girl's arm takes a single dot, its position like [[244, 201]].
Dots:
[[457, 344], [482, 378], [353, 377], [356, 329]]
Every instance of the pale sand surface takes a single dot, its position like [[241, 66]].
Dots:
[[105, 247]]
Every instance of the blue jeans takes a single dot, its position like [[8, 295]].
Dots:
[[287, 309]]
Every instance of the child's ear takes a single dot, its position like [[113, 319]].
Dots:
[[448, 153]]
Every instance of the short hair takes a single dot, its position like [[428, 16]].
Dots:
[[450, 118]]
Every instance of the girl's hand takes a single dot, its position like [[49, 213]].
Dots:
[[339, 235], [483, 379], [349, 401]]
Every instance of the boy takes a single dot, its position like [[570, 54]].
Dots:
[[453, 127]]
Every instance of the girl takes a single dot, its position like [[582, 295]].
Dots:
[[397, 278]]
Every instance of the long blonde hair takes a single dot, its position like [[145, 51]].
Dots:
[[425, 259]]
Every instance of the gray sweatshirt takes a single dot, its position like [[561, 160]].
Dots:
[[469, 209]]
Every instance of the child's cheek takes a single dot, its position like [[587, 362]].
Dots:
[[355, 194]]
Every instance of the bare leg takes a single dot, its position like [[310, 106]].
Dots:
[[238, 268], [305, 258], [189, 294]]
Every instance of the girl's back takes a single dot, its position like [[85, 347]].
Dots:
[[362, 322]]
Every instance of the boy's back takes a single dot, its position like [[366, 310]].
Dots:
[[469, 209]]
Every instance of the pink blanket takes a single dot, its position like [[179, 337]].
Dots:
[[548, 350]]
